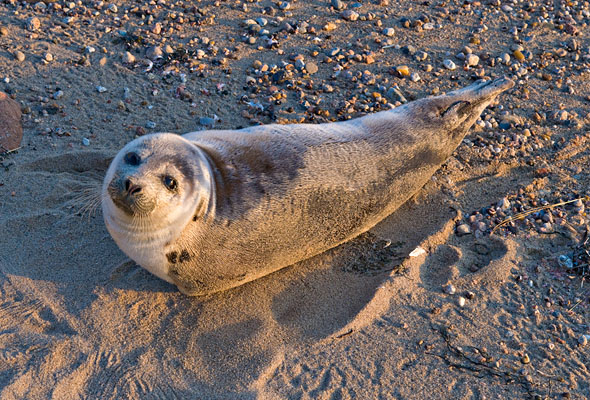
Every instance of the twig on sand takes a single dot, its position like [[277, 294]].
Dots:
[[482, 368], [524, 214]]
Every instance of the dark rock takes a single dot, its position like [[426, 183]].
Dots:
[[11, 130]]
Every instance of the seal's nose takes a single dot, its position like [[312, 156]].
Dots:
[[131, 188]]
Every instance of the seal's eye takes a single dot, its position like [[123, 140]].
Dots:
[[132, 158], [170, 182]]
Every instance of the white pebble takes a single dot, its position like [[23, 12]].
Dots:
[[449, 289], [101, 89], [461, 301], [449, 64]]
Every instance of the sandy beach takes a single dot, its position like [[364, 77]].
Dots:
[[477, 288]]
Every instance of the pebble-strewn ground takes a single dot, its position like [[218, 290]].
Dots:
[[92, 75]]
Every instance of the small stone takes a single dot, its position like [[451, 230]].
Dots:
[[32, 23], [350, 15], [329, 27], [402, 70], [449, 64], [128, 58], [506, 8], [470, 295], [449, 289], [112, 8], [503, 204], [101, 89], [565, 261], [169, 50], [389, 31], [414, 77], [471, 60], [89, 50], [154, 53], [518, 55], [583, 340], [337, 4], [19, 55], [461, 301], [58, 95], [525, 359], [150, 124], [85, 142], [463, 229], [4, 31], [311, 67], [409, 50], [102, 62], [261, 21], [11, 131], [332, 52], [207, 121], [285, 5], [428, 26], [48, 57]]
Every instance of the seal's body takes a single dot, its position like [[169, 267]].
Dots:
[[214, 209]]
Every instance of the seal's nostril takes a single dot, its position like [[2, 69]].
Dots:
[[134, 190], [127, 184]]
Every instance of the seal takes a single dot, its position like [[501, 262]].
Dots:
[[214, 209]]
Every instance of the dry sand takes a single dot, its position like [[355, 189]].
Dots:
[[80, 320]]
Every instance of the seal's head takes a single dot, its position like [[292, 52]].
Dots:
[[154, 186], [456, 111]]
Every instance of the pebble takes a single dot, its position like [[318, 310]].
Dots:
[[449, 289], [471, 60], [503, 204], [414, 77], [150, 124], [101, 89], [518, 55], [4, 31], [389, 31], [449, 64], [461, 301], [33, 23], [332, 52], [58, 95], [402, 70], [207, 121], [583, 340], [350, 15], [128, 58], [48, 57], [19, 55], [285, 5], [565, 261], [85, 142], [154, 53], [463, 229], [525, 359], [311, 67], [11, 131], [337, 4]]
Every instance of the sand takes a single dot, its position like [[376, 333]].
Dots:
[[366, 320]]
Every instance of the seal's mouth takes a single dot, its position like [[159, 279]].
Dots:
[[475, 97], [129, 198]]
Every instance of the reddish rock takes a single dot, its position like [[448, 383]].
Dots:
[[11, 130]]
